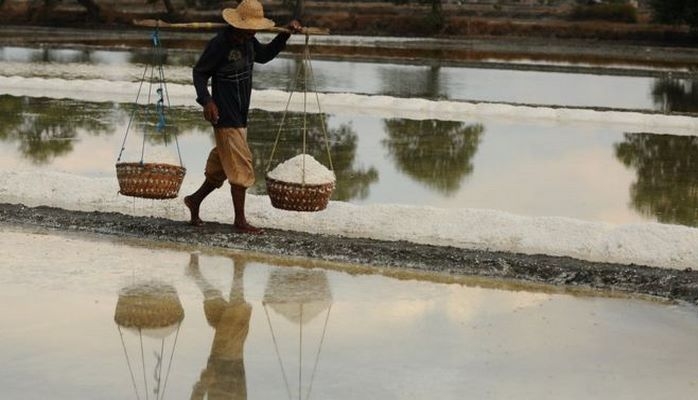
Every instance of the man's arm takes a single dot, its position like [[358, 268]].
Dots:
[[205, 68], [264, 53]]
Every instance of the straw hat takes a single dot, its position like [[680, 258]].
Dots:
[[248, 15]]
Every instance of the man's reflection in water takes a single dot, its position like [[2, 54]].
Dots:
[[224, 375]]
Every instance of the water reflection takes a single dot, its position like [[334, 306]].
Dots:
[[301, 77], [46, 129], [422, 82], [675, 95], [395, 160], [149, 58], [390, 334], [667, 175], [515, 85], [298, 295], [436, 153], [180, 121], [224, 374], [153, 313], [60, 55], [92, 56]]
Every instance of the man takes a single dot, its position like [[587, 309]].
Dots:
[[228, 62]]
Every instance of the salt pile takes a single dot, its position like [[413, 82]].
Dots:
[[302, 168], [159, 154]]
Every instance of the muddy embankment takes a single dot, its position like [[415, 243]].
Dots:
[[672, 284]]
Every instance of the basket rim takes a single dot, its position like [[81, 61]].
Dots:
[[148, 164], [272, 180]]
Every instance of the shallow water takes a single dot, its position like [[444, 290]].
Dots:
[[589, 171], [308, 329], [599, 171], [593, 181], [270, 323], [659, 92]]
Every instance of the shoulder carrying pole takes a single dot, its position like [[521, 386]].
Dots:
[[156, 23]]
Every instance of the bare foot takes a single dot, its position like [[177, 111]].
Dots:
[[193, 211], [247, 228]]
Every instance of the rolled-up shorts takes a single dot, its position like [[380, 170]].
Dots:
[[231, 159]]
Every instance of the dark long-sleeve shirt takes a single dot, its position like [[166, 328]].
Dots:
[[229, 65]]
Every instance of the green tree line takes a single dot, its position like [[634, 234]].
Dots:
[[676, 12]]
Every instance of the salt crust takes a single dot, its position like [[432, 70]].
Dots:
[[348, 103], [302, 168], [654, 244], [668, 246]]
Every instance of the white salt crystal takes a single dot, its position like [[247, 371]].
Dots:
[[302, 168], [161, 154]]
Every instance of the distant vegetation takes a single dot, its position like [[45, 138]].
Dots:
[[618, 11], [676, 12], [602, 20]]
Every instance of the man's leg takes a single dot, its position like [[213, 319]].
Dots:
[[215, 176], [193, 201], [241, 225], [236, 161]]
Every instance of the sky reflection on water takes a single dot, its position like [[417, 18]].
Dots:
[[254, 328], [403, 80], [357, 336], [595, 172], [578, 170]]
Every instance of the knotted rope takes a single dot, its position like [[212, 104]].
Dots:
[[306, 70], [162, 100]]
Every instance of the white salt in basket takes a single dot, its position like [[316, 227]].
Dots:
[[300, 184]]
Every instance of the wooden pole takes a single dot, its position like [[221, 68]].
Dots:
[[156, 23]]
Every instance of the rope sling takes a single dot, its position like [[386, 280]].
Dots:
[[301, 196], [152, 180], [284, 375], [160, 386]]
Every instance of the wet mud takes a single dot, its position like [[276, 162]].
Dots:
[[671, 284]]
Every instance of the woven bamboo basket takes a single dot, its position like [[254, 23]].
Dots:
[[297, 196], [150, 180]]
